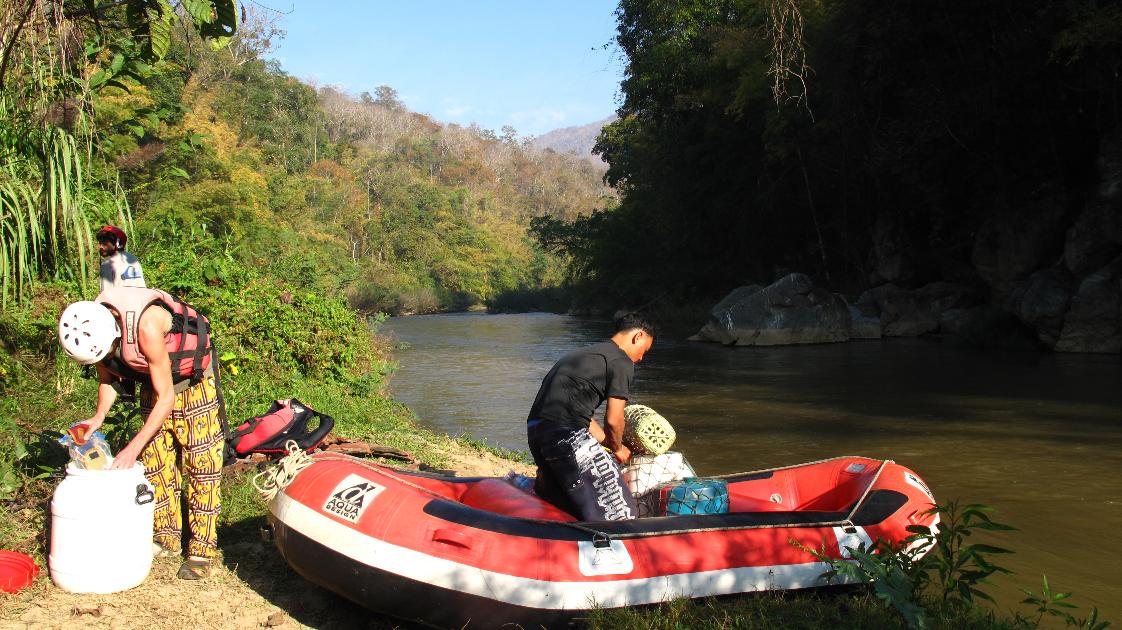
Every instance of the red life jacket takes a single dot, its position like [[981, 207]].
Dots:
[[188, 342]]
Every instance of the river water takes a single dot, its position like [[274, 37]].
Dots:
[[1037, 436]]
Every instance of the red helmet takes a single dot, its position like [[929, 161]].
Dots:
[[112, 233]]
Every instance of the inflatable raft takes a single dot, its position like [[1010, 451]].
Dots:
[[479, 552]]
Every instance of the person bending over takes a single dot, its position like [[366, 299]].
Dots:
[[575, 472], [152, 337]]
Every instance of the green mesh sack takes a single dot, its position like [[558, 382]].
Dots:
[[645, 431]]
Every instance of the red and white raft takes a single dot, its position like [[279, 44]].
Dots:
[[452, 552]]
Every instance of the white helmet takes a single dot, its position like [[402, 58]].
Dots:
[[86, 331]]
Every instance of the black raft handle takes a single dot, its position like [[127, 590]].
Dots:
[[143, 494]]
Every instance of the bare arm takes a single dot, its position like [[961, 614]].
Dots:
[[596, 431], [153, 326], [613, 428], [106, 396]]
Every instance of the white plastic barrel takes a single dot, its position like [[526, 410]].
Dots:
[[101, 530]]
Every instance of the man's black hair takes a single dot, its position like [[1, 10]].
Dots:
[[631, 319]]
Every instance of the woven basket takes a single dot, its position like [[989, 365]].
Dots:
[[645, 431]]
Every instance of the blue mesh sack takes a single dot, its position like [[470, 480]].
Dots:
[[698, 496]]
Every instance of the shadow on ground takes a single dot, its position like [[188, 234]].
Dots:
[[260, 566]]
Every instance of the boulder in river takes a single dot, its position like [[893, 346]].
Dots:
[[790, 311]]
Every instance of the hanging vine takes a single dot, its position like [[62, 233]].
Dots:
[[789, 69]]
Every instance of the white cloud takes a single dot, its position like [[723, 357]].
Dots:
[[540, 120]]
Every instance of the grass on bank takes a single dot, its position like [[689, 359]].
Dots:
[[853, 608], [814, 610]]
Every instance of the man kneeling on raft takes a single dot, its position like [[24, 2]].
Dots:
[[575, 472]]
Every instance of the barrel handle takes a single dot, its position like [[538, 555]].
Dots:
[[143, 494]]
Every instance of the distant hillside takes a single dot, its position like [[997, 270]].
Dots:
[[576, 140]]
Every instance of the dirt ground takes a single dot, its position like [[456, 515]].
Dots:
[[251, 587], [484, 464], [257, 592]]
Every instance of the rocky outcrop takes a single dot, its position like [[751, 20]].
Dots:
[[863, 326], [1073, 303], [1093, 322], [1043, 268], [901, 312], [1094, 239], [790, 311], [1042, 302], [956, 321], [1046, 257], [913, 312], [892, 252], [1016, 241]]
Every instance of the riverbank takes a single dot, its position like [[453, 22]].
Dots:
[[251, 586]]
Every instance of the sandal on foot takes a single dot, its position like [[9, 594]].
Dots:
[[160, 551], [194, 568]]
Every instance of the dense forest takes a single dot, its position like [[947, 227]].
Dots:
[[863, 143], [293, 215], [342, 194]]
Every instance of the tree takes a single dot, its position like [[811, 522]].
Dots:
[[386, 96], [56, 56], [756, 136]]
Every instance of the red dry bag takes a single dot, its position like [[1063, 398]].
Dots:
[[288, 419]]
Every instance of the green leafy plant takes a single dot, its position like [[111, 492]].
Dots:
[[932, 559], [25, 459], [121, 425], [1049, 603], [954, 567], [10, 479], [42, 194], [1091, 622], [1052, 604], [892, 573], [231, 362]]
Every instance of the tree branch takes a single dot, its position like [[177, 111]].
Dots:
[[12, 44]]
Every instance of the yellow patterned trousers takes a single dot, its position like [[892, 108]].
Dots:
[[188, 445]]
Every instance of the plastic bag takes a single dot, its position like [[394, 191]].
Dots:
[[91, 454]]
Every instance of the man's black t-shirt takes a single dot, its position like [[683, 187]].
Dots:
[[580, 381]]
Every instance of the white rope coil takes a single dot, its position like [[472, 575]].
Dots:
[[278, 477]]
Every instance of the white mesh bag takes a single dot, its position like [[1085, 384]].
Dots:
[[646, 474]]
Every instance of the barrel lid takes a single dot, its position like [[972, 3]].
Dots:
[[17, 571]]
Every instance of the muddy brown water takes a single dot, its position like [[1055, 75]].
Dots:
[[1036, 435]]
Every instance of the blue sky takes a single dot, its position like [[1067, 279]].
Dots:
[[532, 64]]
